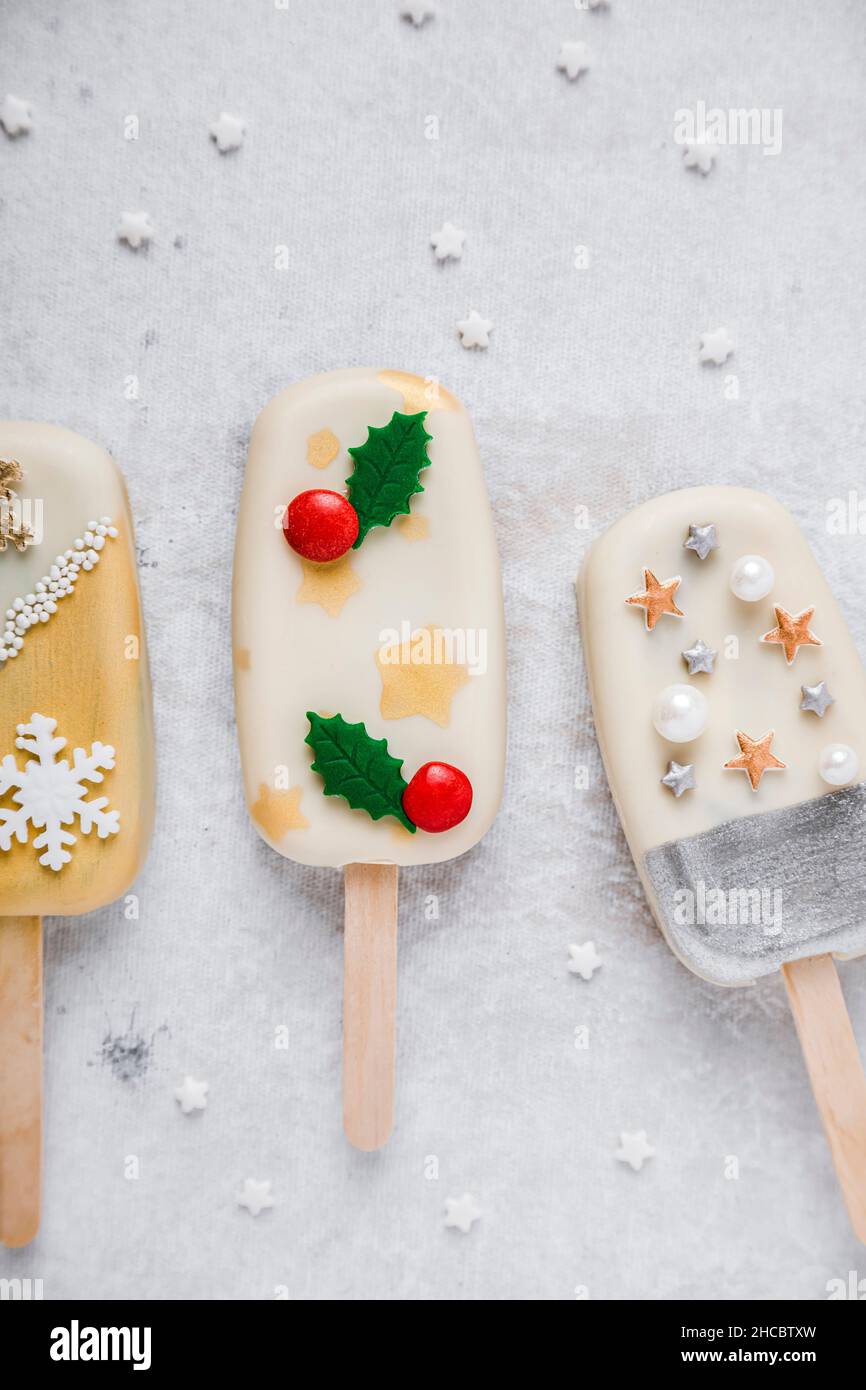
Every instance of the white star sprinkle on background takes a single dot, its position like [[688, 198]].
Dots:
[[191, 1094], [228, 132], [574, 58], [585, 960], [460, 1212], [16, 116], [448, 241], [634, 1150], [136, 228], [256, 1196], [418, 14], [474, 330], [716, 346], [699, 154]]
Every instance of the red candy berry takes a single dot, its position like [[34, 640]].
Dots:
[[438, 797], [320, 525]]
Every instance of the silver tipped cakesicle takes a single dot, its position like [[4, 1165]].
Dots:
[[756, 863]]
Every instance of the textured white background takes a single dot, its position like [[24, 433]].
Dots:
[[589, 394]]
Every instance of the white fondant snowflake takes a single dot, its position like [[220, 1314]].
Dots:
[[52, 794]]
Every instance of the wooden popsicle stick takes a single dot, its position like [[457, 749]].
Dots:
[[369, 1003], [20, 1078], [835, 1071]]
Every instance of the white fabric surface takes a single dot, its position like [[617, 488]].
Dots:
[[590, 395]]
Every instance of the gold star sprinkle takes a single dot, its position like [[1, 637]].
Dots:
[[278, 812], [414, 528], [419, 393], [329, 585], [419, 677], [792, 632], [322, 448], [657, 597], [755, 757]]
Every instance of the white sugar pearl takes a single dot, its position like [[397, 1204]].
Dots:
[[98, 541], [838, 764], [112, 531], [680, 713], [10, 612], [18, 605], [17, 644], [752, 578], [30, 598]]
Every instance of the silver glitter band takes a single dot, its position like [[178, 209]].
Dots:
[[738, 901]]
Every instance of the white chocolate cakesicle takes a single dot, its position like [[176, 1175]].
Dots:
[[324, 637], [740, 880], [70, 613]]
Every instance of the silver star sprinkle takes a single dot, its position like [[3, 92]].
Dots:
[[680, 777], [699, 658], [702, 539], [816, 698]]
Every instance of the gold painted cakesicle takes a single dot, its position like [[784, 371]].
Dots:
[[76, 745], [730, 706], [369, 665]]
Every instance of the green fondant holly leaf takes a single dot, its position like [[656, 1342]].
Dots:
[[358, 767], [386, 470]]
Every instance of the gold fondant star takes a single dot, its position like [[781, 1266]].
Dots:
[[792, 632], [322, 448], [657, 597], [414, 528], [755, 757], [419, 677], [278, 812], [419, 393], [329, 585]]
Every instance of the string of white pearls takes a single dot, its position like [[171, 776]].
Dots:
[[57, 584]]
